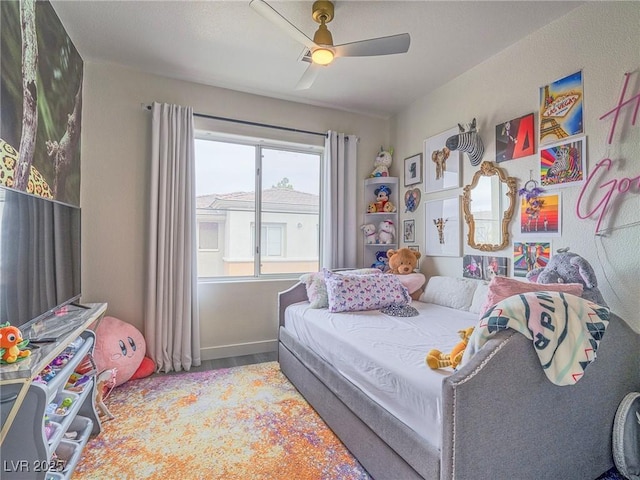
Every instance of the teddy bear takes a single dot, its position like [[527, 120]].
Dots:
[[382, 163], [568, 267], [437, 359], [403, 262], [370, 235], [386, 232]]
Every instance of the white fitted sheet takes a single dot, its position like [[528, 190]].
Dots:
[[384, 355]]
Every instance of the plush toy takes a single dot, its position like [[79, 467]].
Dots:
[[382, 198], [11, 344], [437, 359], [567, 267], [386, 232], [382, 163], [372, 208], [382, 262], [119, 346], [370, 235], [403, 262], [388, 207]]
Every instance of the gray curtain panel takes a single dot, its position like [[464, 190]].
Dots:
[[339, 225], [171, 323]]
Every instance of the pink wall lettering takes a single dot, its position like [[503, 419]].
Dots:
[[622, 103], [611, 188], [616, 186]]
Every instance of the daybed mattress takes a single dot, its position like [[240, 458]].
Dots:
[[385, 356]]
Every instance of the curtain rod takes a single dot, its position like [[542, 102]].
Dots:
[[254, 124]]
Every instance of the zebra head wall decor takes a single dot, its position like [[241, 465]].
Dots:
[[468, 141]]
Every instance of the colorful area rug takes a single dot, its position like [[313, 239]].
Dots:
[[237, 423]]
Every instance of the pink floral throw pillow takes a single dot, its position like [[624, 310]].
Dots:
[[501, 288], [352, 293]]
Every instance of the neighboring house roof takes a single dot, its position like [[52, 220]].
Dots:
[[284, 199]]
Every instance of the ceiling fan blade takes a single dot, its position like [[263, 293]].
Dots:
[[375, 46], [268, 12], [309, 76]]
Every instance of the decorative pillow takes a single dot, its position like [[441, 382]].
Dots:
[[479, 298], [317, 288], [449, 292], [352, 293], [412, 281], [504, 287]]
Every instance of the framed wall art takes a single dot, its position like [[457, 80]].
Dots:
[[413, 170], [541, 215], [563, 164], [515, 138], [530, 255], [561, 108], [442, 227], [409, 229], [442, 166]]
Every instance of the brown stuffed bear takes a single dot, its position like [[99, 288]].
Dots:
[[403, 262]]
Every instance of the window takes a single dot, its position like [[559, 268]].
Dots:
[[244, 186], [207, 235]]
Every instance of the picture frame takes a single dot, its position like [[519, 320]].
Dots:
[[541, 215], [515, 138], [530, 255], [442, 166], [560, 106], [563, 164], [413, 170], [409, 231], [442, 227]]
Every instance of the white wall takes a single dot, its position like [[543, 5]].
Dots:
[[115, 163], [599, 38]]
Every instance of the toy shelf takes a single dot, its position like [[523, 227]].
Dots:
[[370, 186], [25, 450]]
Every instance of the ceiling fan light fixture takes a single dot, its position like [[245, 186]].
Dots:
[[322, 56], [323, 35]]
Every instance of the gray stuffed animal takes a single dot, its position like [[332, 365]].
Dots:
[[566, 267]]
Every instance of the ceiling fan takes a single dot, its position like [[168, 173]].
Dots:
[[321, 50]]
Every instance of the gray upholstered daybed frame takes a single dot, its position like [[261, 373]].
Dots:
[[503, 419]]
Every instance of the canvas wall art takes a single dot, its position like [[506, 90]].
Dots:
[[530, 255], [40, 137], [561, 105], [515, 138], [541, 215], [442, 227], [442, 166], [484, 267], [563, 164]]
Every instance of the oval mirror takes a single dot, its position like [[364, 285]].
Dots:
[[488, 203]]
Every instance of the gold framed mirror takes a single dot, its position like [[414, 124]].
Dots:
[[483, 202]]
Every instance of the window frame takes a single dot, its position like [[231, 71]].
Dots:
[[260, 143]]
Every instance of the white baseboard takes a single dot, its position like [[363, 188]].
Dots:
[[239, 349]]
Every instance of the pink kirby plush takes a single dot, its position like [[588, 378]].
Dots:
[[119, 345]]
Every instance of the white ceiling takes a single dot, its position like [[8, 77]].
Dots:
[[227, 44]]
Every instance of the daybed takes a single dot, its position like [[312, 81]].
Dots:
[[500, 417]]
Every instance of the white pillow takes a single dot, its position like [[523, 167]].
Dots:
[[479, 297], [449, 292]]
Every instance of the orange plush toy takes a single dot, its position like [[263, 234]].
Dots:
[[11, 344], [437, 359]]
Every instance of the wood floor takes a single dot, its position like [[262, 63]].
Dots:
[[231, 362]]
